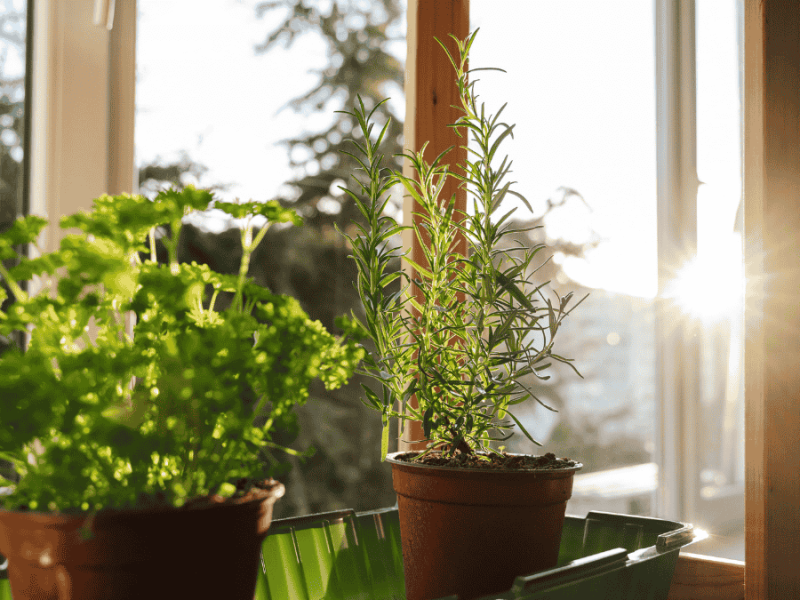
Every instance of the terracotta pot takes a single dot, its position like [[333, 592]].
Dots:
[[472, 531], [208, 551]]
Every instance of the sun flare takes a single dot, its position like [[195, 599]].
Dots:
[[710, 288]]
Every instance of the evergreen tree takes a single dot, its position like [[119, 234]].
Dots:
[[12, 111], [311, 262], [358, 35], [12, 133]]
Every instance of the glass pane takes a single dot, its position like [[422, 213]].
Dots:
[[245, 105], [13, 34], [718, 276], [13, 24], [580, 87]]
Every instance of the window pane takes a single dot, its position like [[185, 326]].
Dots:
[[580, 87], [13, 33], [13, 29], [214, 109], [718, 296], [13, 24]]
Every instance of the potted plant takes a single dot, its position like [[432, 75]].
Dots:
[[461, 336], [140, 415]]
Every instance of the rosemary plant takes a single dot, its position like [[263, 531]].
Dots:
[[465, 331]]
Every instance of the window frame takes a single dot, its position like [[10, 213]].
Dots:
[[772, 267], [678, 345], [677, 350], [82, 109], [678, 337], [769, 100], [772, 52]]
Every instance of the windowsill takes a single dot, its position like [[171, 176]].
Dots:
[[629, 490], [728, 544], [626, 490]]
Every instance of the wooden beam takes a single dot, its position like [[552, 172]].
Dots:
[[70, 112], [772, 351], [705, 578], [121, 167], [430, 94]]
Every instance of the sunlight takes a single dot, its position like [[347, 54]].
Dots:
[[700, 534], [710, 287]]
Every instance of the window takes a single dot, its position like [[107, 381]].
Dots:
[[583, 98], [770, 95], [211, 114], [619, 106], [81, 107], [14, 127]]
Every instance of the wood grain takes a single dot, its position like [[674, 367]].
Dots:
[[430, 94], [706, 578], [122, 72], [754, 334], [772, 351]]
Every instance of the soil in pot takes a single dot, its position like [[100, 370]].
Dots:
[[209, 548], [470, 526]]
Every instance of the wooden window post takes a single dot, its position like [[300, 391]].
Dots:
[[430, 94], [772, 263], [82, 108]]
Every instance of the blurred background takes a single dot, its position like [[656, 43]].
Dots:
[[240, 96]]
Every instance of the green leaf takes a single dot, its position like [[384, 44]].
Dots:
[[23, 231], [419, 268], [426, 422], [272, 210], [511, 287], [522, 428], [372, 397]]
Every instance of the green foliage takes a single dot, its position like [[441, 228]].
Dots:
[[133, 382], [481, 326]]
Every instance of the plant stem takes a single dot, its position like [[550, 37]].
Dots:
[[248, 247], [18, 292], [152, 237]]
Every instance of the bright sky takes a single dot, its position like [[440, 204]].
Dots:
[[580, 86], [204, 90]]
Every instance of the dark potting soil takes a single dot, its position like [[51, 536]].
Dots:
[[246, 490], [481, 460]]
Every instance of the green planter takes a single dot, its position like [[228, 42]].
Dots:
[[357, 556], [5, 587]]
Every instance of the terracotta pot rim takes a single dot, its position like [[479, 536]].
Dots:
[[472, 505], [55, 519], [556, 473]]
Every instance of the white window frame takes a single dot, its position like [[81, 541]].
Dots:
[[82, 108], [678, 351]]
